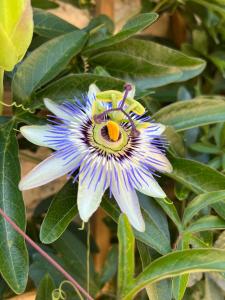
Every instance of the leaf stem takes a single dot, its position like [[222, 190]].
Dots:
[[45, 255], [1, 89]]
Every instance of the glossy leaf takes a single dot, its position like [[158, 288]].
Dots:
[[147, 64], [180, 282], [154, 236], [187, 114], [180, 285], [13, 252], [44, 63], [49, 25], [206, 223], [171, 211], [175, 140], [60, 214], [161, 290], [110, 265], [16, 31], [205, 148], [156, 225], [126, 263], [201, 202], [177, 263], [134, 25], [144, 74], [45, 288], [76, 85], [199, 178], [47, 4]]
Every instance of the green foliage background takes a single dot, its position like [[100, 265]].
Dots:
[[182, 85]]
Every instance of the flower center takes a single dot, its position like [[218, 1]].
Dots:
[[110, 136]]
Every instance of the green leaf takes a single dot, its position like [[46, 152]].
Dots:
[[206, 223], [212, 6], [187, 114], [44, 63], [134, 25], [205, 148], [126, 263], [200, 202], [217, 58], [180, 282], [45, 288], [196, 176], [177, 263], [110, 265], [180, 285], [199, 178], [156, 235], [161, 290], [175, 140], [144, 74], [77, 85], [60, 214], [156, 225], [160, 65], [101, 22], [171, 211], [13, 252], [44, 4], [49, 25]]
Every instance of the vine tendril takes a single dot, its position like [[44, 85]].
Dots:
[[60, 294], [14, 104]]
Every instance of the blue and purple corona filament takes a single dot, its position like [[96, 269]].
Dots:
[[105, 141]]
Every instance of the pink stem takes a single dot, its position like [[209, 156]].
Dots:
[[45, 255]]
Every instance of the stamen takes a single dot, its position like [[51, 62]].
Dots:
[[113, 130]]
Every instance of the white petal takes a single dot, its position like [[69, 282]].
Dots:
[[93, 90], [128, 202], [57, 110], [159, 161], [147, 185], [90, 193], [48, 170], [157, 128], [37, 135]]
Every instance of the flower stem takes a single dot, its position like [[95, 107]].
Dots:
[[45, 255], [1, 89]]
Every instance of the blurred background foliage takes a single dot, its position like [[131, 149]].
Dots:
[[180, 78]]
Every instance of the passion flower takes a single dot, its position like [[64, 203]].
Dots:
[[105, 142]]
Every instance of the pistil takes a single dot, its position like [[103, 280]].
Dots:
[[100, 117]]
